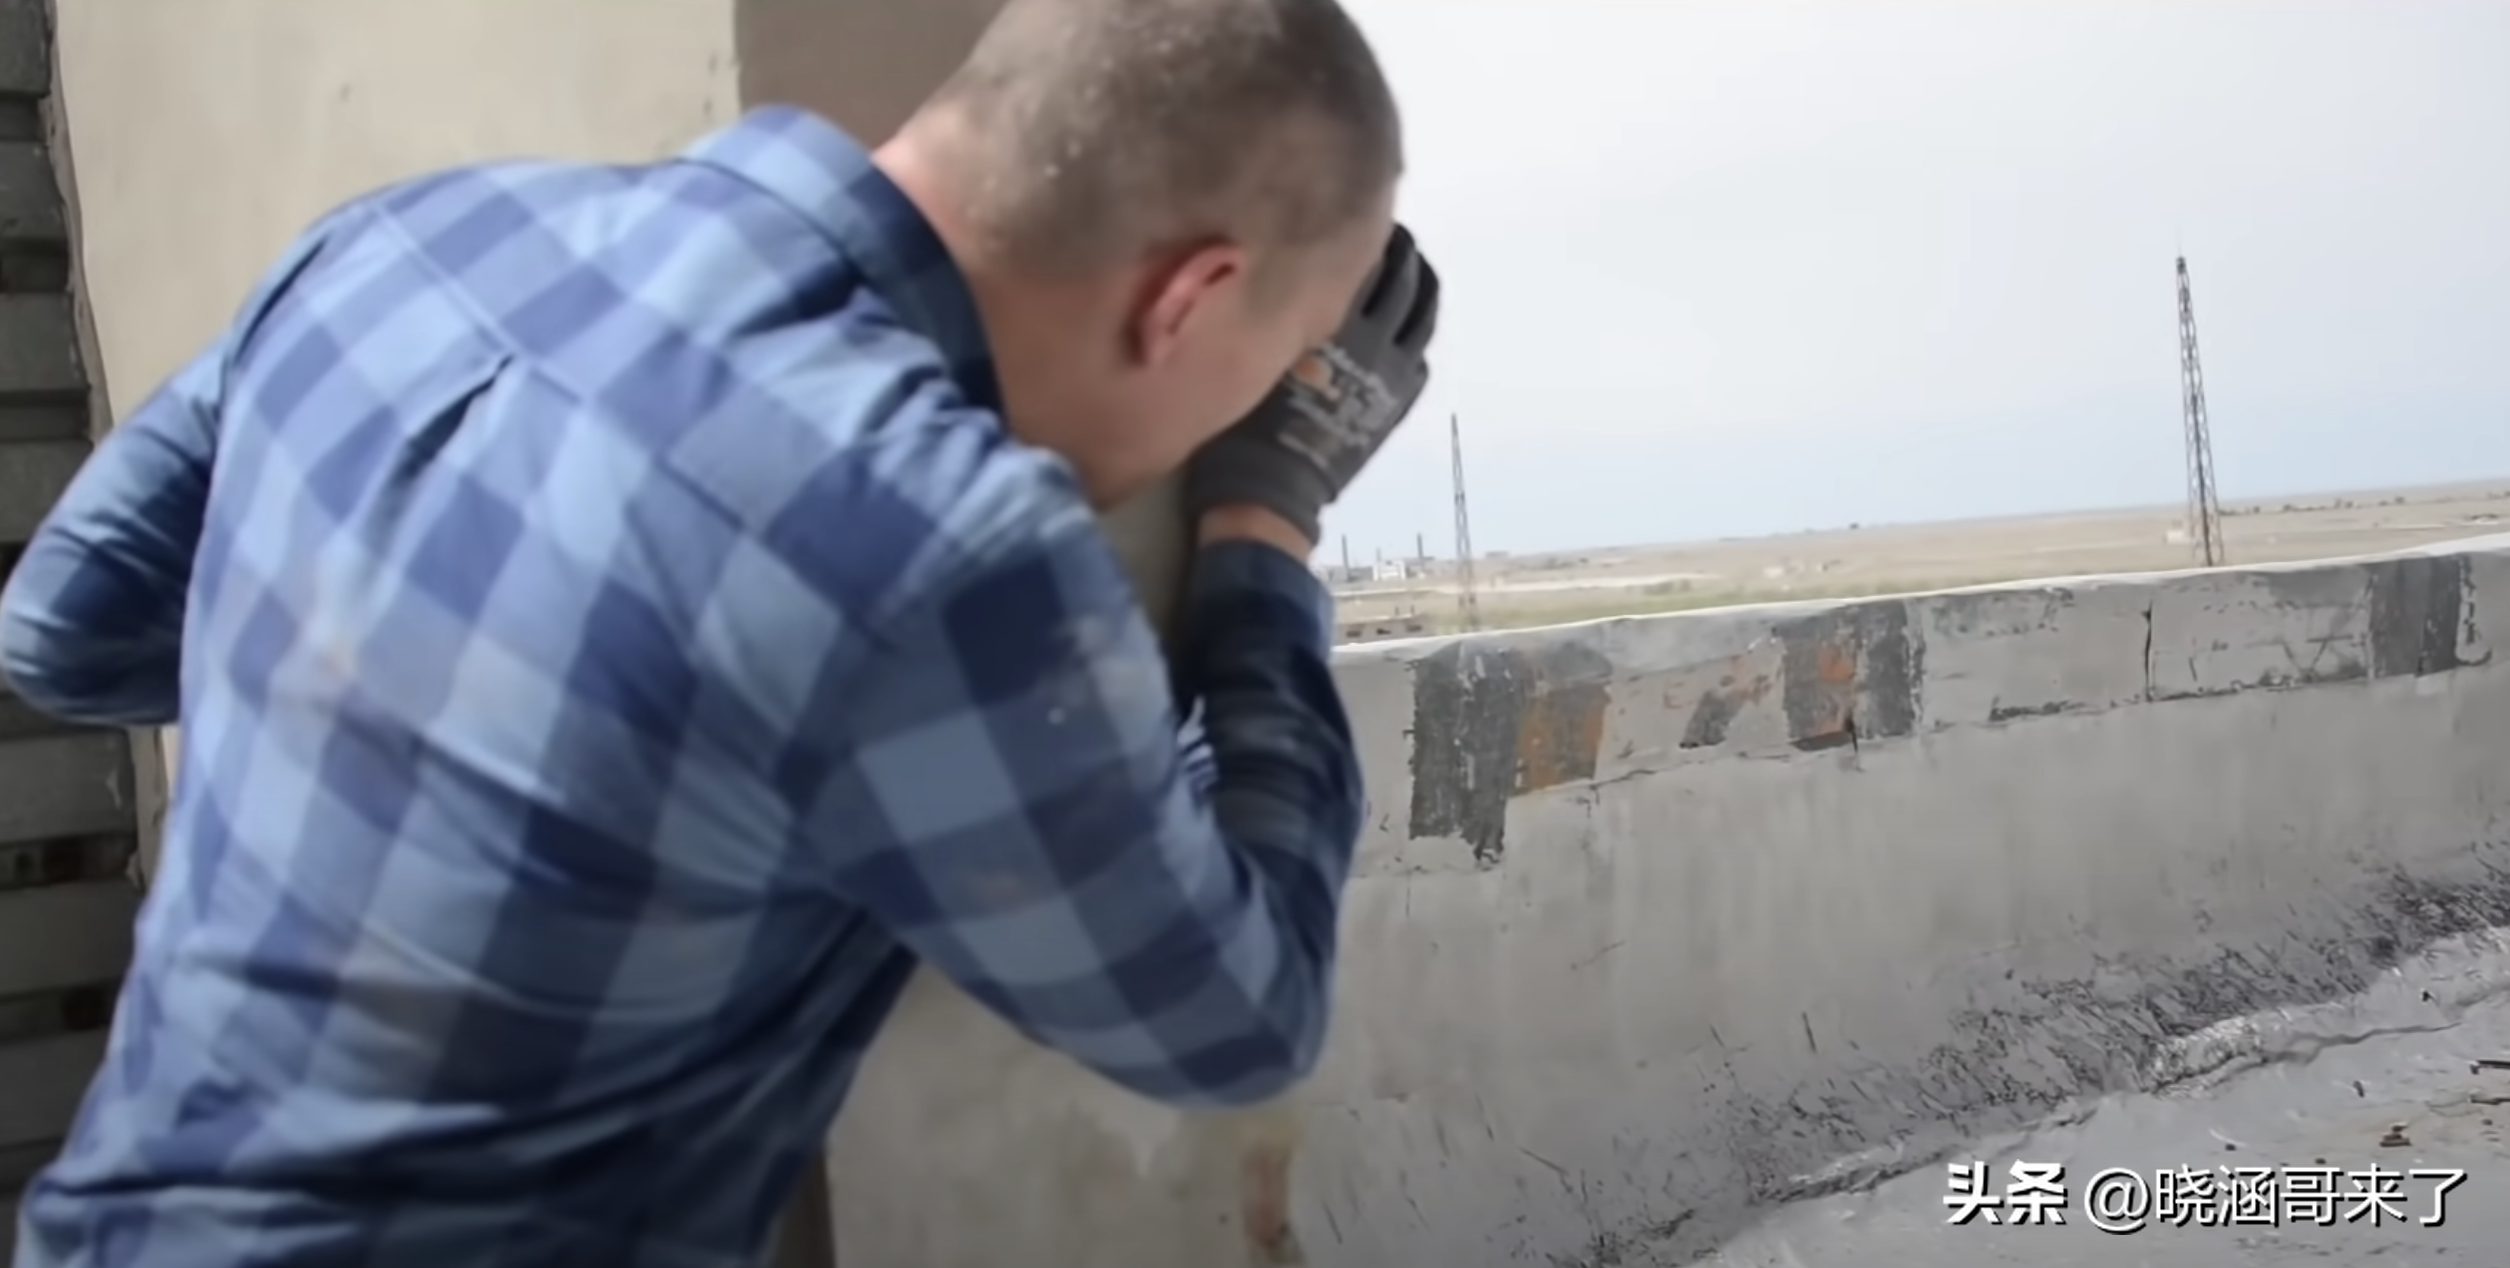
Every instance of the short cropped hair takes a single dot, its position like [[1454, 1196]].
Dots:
[[1107, 127]]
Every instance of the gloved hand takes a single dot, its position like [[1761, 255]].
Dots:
[[1309, 439]]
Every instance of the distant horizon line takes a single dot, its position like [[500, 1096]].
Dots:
[[2499, 483]]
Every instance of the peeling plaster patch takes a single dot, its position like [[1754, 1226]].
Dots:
[[1820, 679], [1492, 723], [1893, 668], [1447, 780], [2418, 605], [1720, 702], [1711, 716], [1559, 731], [2486, 599], [1850, 673]]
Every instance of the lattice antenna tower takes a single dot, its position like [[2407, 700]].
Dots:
[[2204, 507], [1468, 603]]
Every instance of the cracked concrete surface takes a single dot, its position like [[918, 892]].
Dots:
[[2393, 1080]]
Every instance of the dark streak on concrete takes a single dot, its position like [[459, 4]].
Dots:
[[2418, 603], [2151, 601], [1844, 737], [1710, 718], [1491, 723], [1850, 673], [1454, 793], [1890, 671], [2011, 712]]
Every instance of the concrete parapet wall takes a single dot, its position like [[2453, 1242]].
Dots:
[[1663, 920], [1665, 917]]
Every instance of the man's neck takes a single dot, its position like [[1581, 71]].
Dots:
[[1033, 325]]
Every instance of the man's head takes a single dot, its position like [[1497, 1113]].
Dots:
[[1160, 204]]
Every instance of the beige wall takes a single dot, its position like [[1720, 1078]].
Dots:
[[206, 134]]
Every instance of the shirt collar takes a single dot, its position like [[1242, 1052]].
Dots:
[[829, 179]]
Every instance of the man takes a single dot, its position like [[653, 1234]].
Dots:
[[622, 618]]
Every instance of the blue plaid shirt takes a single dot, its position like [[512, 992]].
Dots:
[[615, 640]]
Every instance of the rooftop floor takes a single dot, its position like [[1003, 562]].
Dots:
[[2313, 1106]]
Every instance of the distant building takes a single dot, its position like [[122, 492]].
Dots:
[[1376, 631]]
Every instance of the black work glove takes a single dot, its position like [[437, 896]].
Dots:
[[1308, 440]]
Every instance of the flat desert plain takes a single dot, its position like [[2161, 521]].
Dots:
[[1516, 591]]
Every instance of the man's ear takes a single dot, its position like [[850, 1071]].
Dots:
[[1186, 288]]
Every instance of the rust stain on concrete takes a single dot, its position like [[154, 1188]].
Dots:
[[1851, 672], [1712, 711], [1822, 686], [1493, 723], [1265, 1194], [1560, 734]]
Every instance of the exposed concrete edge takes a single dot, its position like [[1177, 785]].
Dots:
[[1489, 719], [151, 775], [1802, 676]]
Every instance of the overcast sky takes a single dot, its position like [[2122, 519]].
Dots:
[[1742, 267]]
